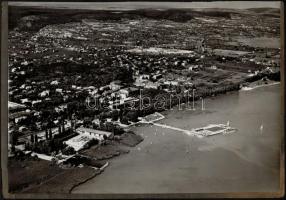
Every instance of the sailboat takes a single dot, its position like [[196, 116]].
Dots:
[[261, 128]]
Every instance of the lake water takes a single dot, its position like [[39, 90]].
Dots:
[[172, 162], [152, 5]]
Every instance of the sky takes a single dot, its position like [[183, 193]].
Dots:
[[153, 5]]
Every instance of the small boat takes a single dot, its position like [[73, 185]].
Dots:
[[261, 128]]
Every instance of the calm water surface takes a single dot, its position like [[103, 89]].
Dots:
[[172, 162]]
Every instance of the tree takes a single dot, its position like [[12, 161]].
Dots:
[[50, 134], [124, 120], [14, 137], [87, 121], [13, 148], [125, 75], [49, 126], [46, 114], [46, 133], [132, 115], [59, 128], [32, 138], [115, 115], [69, 151], [53, 161], [63, 125], [109, 126], [91, 143], [36, 138], [72, 107], [118, 130]]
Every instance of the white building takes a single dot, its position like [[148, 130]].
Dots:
[[44, 93], [24, 100], [22, 128], [115, 85], [94, 132], [144, 76], [36, 101], [19, 119], [54, 82], [59, 90], [12, 105], [85, 135], [96, 121], [124, 91]]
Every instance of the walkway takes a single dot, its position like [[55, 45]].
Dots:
[[175, 128]]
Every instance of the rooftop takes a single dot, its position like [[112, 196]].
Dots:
[[95, 131], [12, 105]]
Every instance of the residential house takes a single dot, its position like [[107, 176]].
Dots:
[[115, 85]]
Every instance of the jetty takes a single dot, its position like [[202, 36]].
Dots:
[[209, 130]]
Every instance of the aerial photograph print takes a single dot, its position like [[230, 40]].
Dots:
[[162, 98]]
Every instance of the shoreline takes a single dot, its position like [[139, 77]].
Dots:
[[144, 122], [259, 86], [99, 157], [166, 144], [162, 116], [115, 150]]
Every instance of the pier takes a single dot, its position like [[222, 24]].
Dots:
[[209, 130], [174, 128]]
